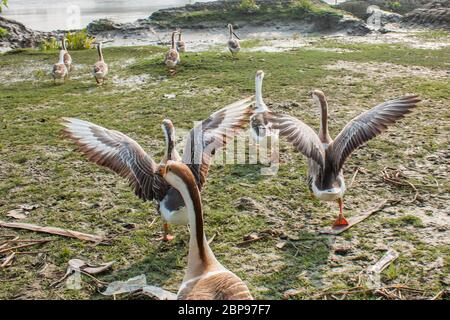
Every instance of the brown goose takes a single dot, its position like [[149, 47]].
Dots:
[[181, 45], [205, 278], [172, 58], [100, 69], [326, 157], [59, 70], [233, 44], [123, 155], [67, 57]]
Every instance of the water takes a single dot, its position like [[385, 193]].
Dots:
[[48, 15]]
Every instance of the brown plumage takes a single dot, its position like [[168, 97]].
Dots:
[[67, 57], [59, 70], [327, 156], [123, 155], [181, 45], [233, 42], [172, 58], [100, 68], [206, 278]]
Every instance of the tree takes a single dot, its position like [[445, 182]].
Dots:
[[3, 3]]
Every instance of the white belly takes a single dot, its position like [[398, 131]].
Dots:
[[329, 194], [179, 216]]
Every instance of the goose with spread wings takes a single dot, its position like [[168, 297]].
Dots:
[[326, 157], [123, 155]]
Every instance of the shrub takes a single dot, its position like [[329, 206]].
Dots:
[[50, 44], [3, 33], [79, 40], [248, 6], [302, 5], [394, 6]]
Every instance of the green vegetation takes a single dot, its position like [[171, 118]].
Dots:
[[260, 13], [38, 166], [3, 3], [78, 40], [3, 33]]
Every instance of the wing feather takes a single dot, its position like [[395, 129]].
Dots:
[[300, 135], [205, 139], [367, 126], [121, 154]]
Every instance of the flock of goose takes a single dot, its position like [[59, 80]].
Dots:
[[172, 59], [175, 184]]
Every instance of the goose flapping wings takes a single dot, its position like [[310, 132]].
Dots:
[[358, 131], [118, 152]]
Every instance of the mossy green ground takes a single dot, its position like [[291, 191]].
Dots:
[[38, 166]]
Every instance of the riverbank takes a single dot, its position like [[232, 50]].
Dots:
[[292, 260]]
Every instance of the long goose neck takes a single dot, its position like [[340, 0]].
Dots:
[[173, 40], [61, 56], [260, 105], [169, 134], [231, 31], [323, 131], [100, 53], [200, 256], [63, 43], [179, 36]]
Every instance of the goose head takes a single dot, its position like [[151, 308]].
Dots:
[[318, 96]]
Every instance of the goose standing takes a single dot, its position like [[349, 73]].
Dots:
[[67, 57], [181, 45], [100, 69], [172, 58], [233, 44], [205, 278], [123, 155], [326, 157], [260, 127], [59, 70]]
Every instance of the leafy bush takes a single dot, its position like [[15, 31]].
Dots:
[[248, 6], [395, 5], [50, 44], [75, 41], [3, 3], [303, 5], [3, 33], [79, 40]]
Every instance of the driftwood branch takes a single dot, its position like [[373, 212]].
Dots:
[[53, 230]]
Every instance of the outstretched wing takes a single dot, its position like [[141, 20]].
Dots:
[[367, 126], [205, 139], [300, 135], [121, 154]]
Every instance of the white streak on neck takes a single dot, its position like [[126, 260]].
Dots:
[[61, 56], [260, 105]]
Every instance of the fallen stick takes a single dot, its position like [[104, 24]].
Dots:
[[354, 220], [53, 230], [22, 246], [8, 260]]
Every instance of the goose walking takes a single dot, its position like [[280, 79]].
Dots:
[[67, 57], [181, 45], [205, 278], [123, 155], [59, 70], [326, 157], [260, 126], [172, 58], [233, 41], [100, 69]]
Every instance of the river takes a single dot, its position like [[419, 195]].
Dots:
[[48, 15]]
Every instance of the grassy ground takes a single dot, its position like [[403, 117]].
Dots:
[[38, 166]]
